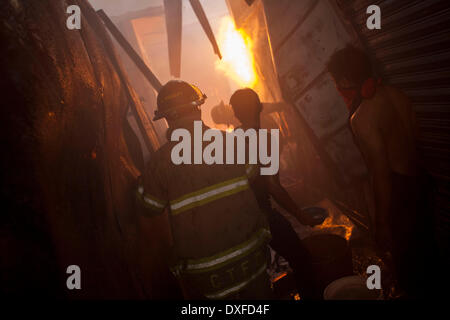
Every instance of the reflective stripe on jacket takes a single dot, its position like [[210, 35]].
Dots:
[[228, 272], [212, 211], [208, 194]]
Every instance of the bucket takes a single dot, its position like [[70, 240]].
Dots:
[[317, 213], [331, 259], [351, 288]]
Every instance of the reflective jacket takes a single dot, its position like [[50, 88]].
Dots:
[[219, 234]]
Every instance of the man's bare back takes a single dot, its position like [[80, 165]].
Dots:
[[387, 124]]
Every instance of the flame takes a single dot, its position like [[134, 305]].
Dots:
[[281, 276], [230, 128], [237, 58], [337, 224]]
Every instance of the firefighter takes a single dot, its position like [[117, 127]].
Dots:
[[219, 235], [247, 109]]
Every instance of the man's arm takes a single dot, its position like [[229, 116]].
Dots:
[[152, 196], [374, 150], [153, 239], [282, 197]]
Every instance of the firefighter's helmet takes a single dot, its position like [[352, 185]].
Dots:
[[177, 98]]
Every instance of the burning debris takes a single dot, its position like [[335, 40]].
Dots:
[[336, 222]]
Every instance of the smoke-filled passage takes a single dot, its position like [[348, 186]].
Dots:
[[213, 150]]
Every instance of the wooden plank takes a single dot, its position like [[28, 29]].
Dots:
[[200, 13], [144, 123], [130, 51], [174, 27]]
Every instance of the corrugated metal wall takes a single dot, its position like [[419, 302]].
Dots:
[[412, 51]]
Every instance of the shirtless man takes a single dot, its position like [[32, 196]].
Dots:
[[384, 127]]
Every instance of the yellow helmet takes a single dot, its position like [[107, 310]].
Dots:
[[177, 98]]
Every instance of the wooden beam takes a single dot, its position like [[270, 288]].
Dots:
[[130, 51], [200, 13], [174, 25], [144, 124]]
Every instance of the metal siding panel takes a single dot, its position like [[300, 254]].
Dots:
[[350, 162], [300, 63], [302, 59], [323, 108], [293, 13]]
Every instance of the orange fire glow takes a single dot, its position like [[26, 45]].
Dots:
[[338, 224], [237, 58]]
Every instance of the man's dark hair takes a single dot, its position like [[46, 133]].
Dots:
[[246, 104], [350, 63]]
